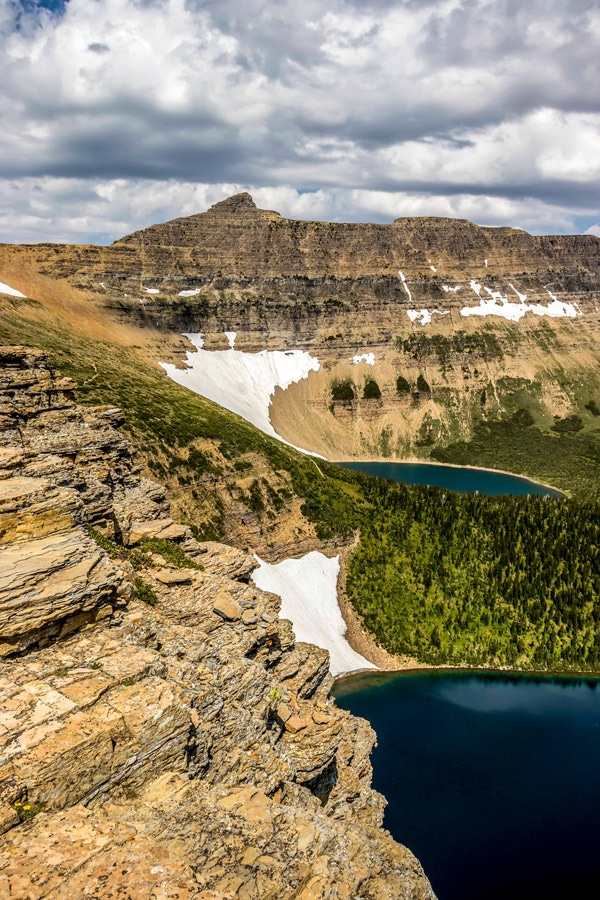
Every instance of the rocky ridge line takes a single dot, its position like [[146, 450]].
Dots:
[[187, 749]]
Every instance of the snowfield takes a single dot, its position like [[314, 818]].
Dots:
[[368, 358], [7, 289], [423, 316], [500, 305], [243, 383], [308, 591]]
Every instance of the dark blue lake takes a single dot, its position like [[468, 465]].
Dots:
[[456, 478], [492, 780]]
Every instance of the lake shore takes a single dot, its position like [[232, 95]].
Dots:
[[425, 462]]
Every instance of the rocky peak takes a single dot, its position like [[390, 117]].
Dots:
[[238, 203]]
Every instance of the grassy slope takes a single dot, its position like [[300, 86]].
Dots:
[[184, 439]]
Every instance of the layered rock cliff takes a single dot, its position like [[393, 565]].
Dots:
[[398, 292], [162, 734]]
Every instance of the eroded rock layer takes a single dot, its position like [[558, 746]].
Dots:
[[162, 734]]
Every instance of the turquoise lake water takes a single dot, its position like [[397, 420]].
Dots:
[[456, 478], [493, 780]]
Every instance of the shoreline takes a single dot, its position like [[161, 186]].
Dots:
[[429, 462], [476, 670]]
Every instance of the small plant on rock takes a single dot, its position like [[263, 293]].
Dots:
[[27, 811], [145, 592]]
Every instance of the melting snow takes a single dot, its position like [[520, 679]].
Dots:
[[243, 382], [7, 289], [403, 280], [231, 336], [152, 291], [189, 293], [369, 358], [308, 591], [452, 290], [423, 316], [499, 305], [522, 297]]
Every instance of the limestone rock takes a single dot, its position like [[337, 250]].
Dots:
[[175, 576], [226, 608], [143, 740], [45, 581]]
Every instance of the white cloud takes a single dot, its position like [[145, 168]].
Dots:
[[479, 109], [72, 210]]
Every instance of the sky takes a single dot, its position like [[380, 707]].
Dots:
[[116, 114]]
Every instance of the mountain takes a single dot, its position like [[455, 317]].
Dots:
[[494, 320]]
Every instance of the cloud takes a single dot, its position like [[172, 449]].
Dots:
[[444, 106]]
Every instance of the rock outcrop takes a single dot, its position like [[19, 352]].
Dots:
[[162, 734]]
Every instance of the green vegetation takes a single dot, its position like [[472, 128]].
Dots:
[[27, 811], [171, 552], [402, 385], [371, 390], [593, 407], [464, 579], [145, 592], [568, 425], [569, 461], [342, 389], [441, 347], [422, 385], [140, 555]]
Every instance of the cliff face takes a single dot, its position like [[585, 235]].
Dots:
[[162, 734], [254, 271], [398, 291]]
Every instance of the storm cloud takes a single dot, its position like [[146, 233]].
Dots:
[[119, 113]]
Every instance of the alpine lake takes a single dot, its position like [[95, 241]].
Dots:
[[492, 778]]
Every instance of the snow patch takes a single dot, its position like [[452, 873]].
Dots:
[[152, 290], [308, 591], [452, 290], [368, 358], [522, 297], [486, 263], [189, 293], [433, 268], [102, 285], [423, 316], [406, 288], [475, 287], [7, 289], [243, 383], [231, 336], [499, 305]]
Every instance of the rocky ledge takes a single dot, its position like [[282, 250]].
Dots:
[[162, 734]]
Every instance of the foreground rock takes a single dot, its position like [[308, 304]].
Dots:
[[176, 748]]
